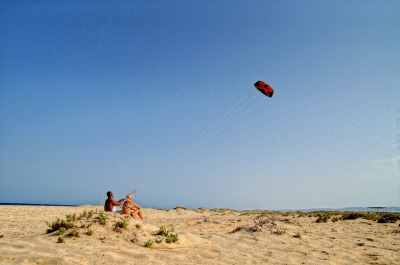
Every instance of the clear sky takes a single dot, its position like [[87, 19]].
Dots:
[[107, 95]]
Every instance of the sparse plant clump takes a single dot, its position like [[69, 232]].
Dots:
[[356, 215], [74, 232], [56, 225], [62, 225], [71, 217], [159, 240], [83, 215], [202, 210], [180, 208], [90, 214], [172, 238], [280, 232], [89, 232], [298, 235], [322, 219], [102, 217], [222, 210], [163, 231], [259, 223], [61, 230], [121, 224], [149, 243], [254, 228], [389, 218], [255, 212]]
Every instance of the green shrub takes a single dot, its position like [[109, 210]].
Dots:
[[56, 225], [71, 217], [163, 231], [74, 232], [389, 218], [90, 214], [89, 232], [356, 215], [280, 232], [298, 235], [122, 224], [102, 217], [149, 243], [172, 238], [61, 230]]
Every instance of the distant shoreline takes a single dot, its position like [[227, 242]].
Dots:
[[35, 204], [346, 209]]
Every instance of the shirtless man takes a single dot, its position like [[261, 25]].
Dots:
[[108, 205]]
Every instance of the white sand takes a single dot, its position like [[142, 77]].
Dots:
[[204, 238]]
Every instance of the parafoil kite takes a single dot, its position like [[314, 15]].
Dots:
[[264, 88]]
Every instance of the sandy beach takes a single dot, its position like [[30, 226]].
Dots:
[[218, 236]]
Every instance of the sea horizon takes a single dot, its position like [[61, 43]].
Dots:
[[342, 209]]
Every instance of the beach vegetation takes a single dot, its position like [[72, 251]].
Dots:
[[71, 217], [180, 208], [102, 217], [323, 218], [202, 210], [389, 218], [298, 235], [159, 240], [61, 230], [255, 212], [336, 219], [90, 214], [280, 231], [83, 215], [222, 210], [122, 224], [363, 215], [74, 232], [149, 243], [169, 235], [172, 238], [56, 225], [163, 231], [89, 232]]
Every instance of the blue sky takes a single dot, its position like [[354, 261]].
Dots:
[[107, 95]]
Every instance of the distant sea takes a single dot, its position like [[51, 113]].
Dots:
[[35, 204], [392, 209]]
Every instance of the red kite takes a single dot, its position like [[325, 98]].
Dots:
[[264, 88]]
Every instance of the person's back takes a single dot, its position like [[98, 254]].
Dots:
[[132, 208], [126, 207], [109, 203]]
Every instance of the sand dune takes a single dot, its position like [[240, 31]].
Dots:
[[205, 237]]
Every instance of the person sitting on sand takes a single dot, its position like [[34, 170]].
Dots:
[[131, 208], [109, 204]]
